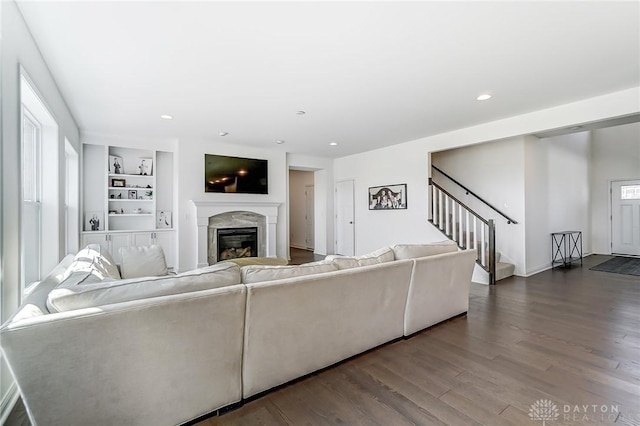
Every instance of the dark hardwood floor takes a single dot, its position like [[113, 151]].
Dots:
[[300, 256], [569, 336]]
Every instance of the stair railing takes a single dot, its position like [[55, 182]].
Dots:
[[470, 192], [464, 226]]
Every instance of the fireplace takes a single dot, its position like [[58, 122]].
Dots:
[[213, 215], [237, 242]]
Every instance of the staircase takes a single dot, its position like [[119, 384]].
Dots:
[[469, 230]]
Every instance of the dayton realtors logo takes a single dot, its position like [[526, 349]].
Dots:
[[544, 410]]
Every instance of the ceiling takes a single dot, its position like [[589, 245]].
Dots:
[[367, 74]]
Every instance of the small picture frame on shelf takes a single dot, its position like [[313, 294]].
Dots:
[[118, 183], [94, 221], [145, 166], [133, 194], [115, 165], [163, 219]]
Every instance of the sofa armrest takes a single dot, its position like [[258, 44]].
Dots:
[[162, 360], [439, 289]]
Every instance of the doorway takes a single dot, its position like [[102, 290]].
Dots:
[[625, 217], [301, 210]]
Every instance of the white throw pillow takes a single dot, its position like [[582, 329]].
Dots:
[[70, 297], [142, 261], [92, 264], [382, 255], [259, 273], [414, 251]]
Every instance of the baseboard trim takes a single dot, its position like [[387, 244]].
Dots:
[[8, 402]]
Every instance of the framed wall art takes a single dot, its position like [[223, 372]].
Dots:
[[388, 197]]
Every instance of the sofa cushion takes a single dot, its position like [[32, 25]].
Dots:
[[414, 251], [69, 297], [142, 261], [259, 273], [382, 255]]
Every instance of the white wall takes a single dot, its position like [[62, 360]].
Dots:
[[19, 48], [616, 156], [556, 194], [494, 171], [397, 165], [408, 163], [190, 171], [298, 182]]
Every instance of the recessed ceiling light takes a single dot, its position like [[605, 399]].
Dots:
[[223, 133], [301, 112], [484, 97], [279, 142], [166, 117], [333, 143]]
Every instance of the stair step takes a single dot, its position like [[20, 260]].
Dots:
[[504, 270]]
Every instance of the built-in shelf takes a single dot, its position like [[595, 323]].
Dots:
[[130, 214], [120, 175], [127, 200]]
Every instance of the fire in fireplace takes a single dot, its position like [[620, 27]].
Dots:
[[237, 242]]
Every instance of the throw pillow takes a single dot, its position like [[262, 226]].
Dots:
[[142, 261]]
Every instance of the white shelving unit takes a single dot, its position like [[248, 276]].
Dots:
[[123, 209]]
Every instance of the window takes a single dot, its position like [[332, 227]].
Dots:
[[41, 208], [31, 198], [630, 192], [71, 201]]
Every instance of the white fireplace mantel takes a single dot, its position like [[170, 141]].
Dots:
[[206, 209]]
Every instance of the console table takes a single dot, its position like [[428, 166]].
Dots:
[[566, 248]]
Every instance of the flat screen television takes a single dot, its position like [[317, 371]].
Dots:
[[235, 175]]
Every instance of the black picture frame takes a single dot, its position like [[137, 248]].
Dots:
[[388, 197], [132, 194], [118, 183]]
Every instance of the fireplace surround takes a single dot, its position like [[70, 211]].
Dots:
[[231, 214]]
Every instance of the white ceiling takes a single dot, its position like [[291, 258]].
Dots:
[[367, 74]]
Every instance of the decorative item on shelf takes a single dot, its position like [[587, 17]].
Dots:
[[112, 196], [119, 195], [137, 210], [149, 194], [388, 197], [115, 165], [118, 182], [145, 167], [113, 211], [163, 219], [133, 194], [94, 221]]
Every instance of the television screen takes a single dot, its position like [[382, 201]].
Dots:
[[235, 174]]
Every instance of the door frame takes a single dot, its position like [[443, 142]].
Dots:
[[610, 212]]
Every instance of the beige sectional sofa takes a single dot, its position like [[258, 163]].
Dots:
[[89, 348]]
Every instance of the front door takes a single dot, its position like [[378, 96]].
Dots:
[[625, 217]]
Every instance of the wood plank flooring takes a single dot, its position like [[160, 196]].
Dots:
[[569, 336]]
